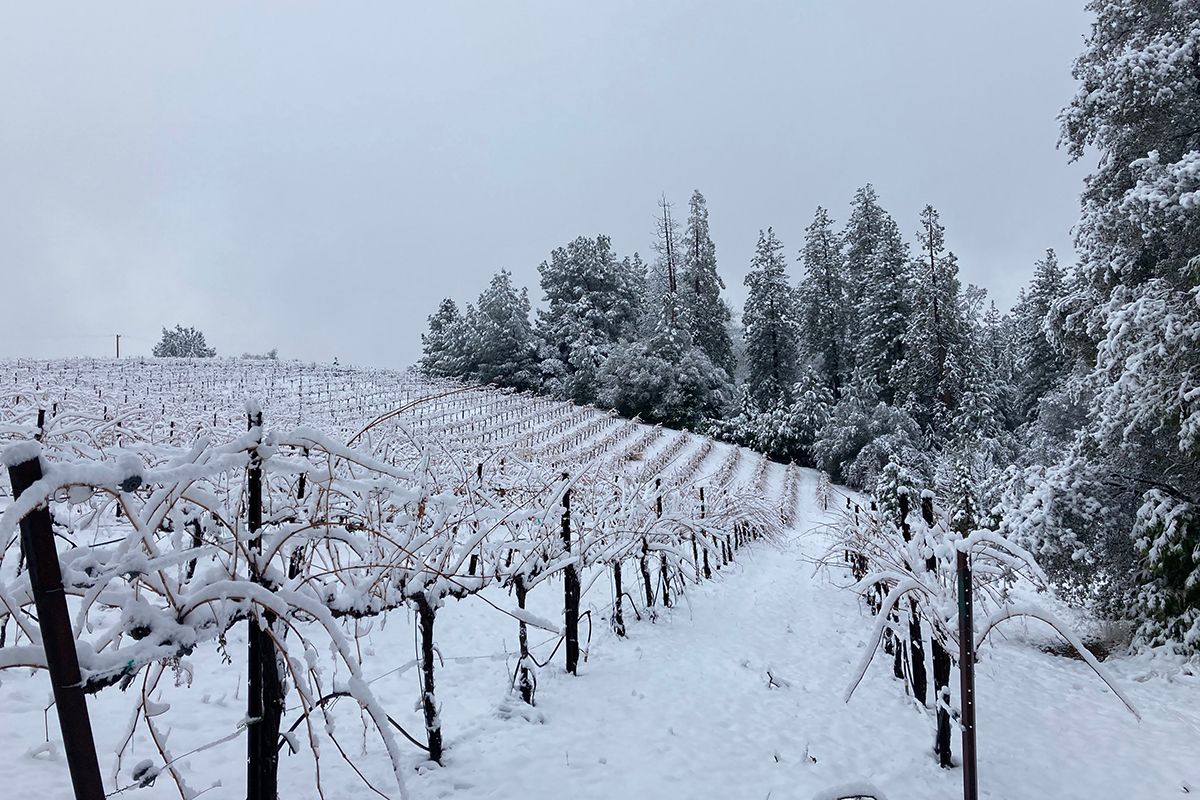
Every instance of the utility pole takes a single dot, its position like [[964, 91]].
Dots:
[[118, 345]]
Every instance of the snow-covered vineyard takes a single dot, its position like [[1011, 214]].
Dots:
[[483, 593]]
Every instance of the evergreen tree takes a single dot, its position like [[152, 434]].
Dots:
[[592, 301], [936, 343], [771, 321], [443, 346], [884, 310], [1041, 363], [822, 299], [1119, 508], [860, 436], [784, 431], [182, 342], [661, 303], [664, 378], [662, 375], [997, 354], [861, 239], [706, 315], [501, 338]]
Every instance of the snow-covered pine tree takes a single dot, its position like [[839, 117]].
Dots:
[[860, 239], [661, 375], [860, 436], [884, 307], [443, 345], [997, 355], [1120, 507], [802, 420], [936, 342], [501, 336], [772, 324], [1041, 364], [662, 304], [592, 301], [822, 298], [706, 315], [740, 423]]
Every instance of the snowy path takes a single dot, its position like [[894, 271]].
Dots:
[[683, 709]]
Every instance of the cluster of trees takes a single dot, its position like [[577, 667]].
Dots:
[[1077, 413], [648, 340], [1107, 487], [181, 342], [877, 351]]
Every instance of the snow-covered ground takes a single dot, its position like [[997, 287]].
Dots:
[[735, 693]]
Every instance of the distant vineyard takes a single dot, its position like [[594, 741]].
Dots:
[[192, 496]]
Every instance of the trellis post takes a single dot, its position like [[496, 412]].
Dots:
[[58, 640], [570, 587]]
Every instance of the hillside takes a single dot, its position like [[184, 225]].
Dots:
[[735, 690]]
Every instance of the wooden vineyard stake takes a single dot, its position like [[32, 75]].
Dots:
[[264, 701], [941, 662], [570, 589], [58, 640]]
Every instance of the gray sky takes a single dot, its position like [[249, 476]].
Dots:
[[314, 177]]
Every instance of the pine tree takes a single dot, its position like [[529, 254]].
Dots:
[[885, 306], [860, 436], [861, 239], [592, 301], [501, 337], [997, 353], [936, 342], [443, 346], [664, 378], [771, 320], [1041, 363], [662, 375], [706, 315], [822, 298], [1118, 510], [661, 303]]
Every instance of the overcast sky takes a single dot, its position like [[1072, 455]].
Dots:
[[314, 177]]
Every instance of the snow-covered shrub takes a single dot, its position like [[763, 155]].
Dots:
[[1167, 535], [182, 342], [858, 439], [664, 379]]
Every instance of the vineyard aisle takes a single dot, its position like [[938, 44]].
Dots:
[[738, 694]]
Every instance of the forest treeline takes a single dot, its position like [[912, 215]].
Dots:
[[1076, 413]]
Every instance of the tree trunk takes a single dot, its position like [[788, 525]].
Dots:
[[941, 664], [524, 675], [916, 644], [666, 580], [433, 723], [618, 620], [916, 654], [570, 591], [646, 582]]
